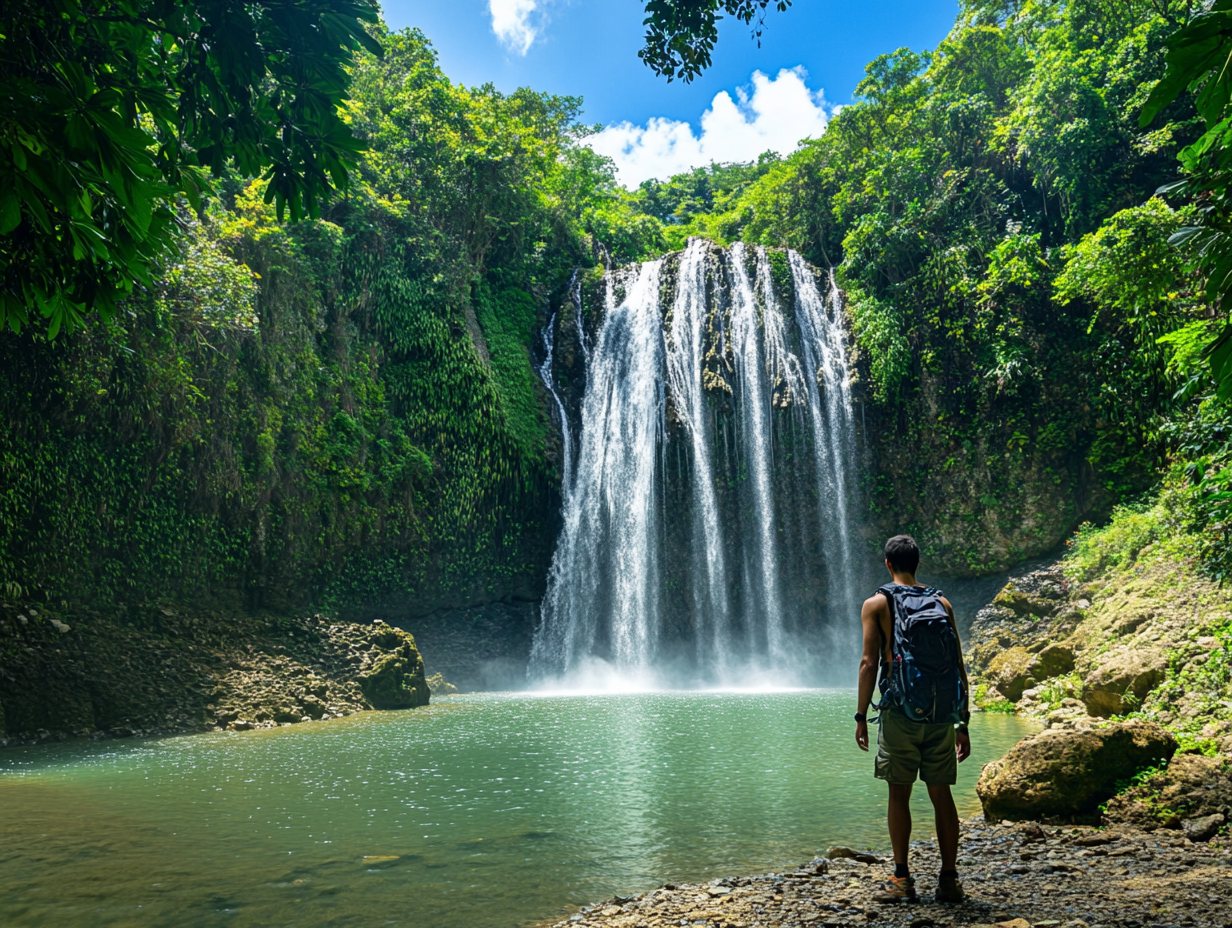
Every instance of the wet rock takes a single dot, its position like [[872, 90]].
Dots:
[[839, 851], [1066, 773], [288, 714], [1022, 603], [1056, 659], [396, 680], [440, 686]]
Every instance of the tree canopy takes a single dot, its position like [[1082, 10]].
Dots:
[[119, 109]]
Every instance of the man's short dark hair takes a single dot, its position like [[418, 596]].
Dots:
[[903, 554]]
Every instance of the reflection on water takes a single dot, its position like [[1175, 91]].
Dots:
[[478, 811]]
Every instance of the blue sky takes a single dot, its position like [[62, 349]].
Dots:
[[589, 48]]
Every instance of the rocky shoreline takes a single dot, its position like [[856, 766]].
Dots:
[[170, 672], [1016, 875], [1116, 815]]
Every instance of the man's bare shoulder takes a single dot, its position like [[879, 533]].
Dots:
[[875, 603]]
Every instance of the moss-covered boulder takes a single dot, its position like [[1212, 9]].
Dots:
[[1012, 671], [1191, 787], [1065, 773], [440, 686], [1056, 659], [396, 680], [1021, 603], [1122, 679]]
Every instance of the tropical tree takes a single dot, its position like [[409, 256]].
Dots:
[[118, 110], [1198, 58]]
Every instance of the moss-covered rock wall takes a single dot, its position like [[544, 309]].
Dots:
[[356, 446]]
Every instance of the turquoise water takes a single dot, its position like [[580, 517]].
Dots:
[[485, 810]]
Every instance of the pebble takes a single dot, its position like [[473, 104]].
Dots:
[[1188, 886]]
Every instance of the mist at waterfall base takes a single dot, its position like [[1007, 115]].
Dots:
[[710, 535]]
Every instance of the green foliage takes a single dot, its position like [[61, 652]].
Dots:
[[508, 320], [681, 34], [1198, 61], [586, 187], [1052, 692], [1115, 546], [119, 107], [702, 191], [208, 287], [880, 330], [1205, 684], [303, 413], [986, 704], [1128, 270]]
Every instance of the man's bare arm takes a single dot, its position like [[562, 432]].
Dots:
[[869, 660]]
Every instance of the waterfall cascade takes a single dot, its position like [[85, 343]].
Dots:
[[707, 527]]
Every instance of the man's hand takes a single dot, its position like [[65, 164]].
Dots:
[[862, 736], [962, 745]]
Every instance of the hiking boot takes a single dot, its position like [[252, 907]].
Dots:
[[899, 889], [949, 889]]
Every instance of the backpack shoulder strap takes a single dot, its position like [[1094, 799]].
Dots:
[[888, 590]]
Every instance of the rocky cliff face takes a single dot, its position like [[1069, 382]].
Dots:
[[1153, 640], [1150, 642], [173, 670]]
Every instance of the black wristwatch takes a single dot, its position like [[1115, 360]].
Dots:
[[861, 717]]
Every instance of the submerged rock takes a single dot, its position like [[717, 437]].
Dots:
[[1067, 773]]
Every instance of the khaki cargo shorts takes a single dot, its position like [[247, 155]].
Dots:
[[906, 748]]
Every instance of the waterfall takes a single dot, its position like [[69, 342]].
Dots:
[[544, 370], [824, 344], [606, 560], [763, 606], [707, 531], [684, 378]]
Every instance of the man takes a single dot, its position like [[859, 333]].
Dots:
[[906, 746]]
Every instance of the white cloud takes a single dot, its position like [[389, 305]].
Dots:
[[512, 23], [777, 116]]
